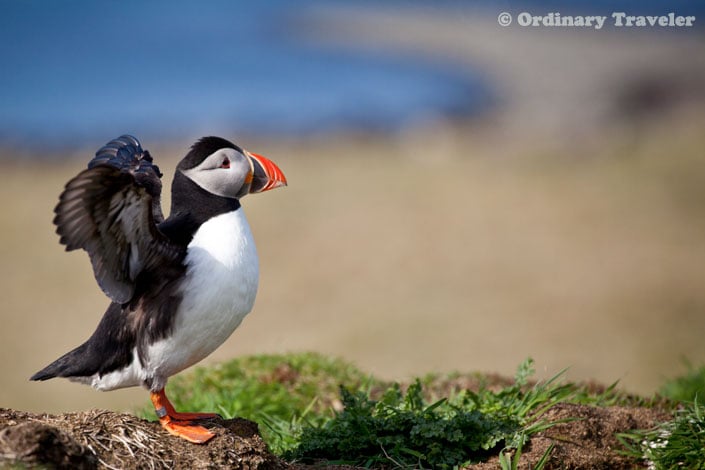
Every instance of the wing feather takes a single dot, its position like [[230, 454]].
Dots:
[[109, 211]]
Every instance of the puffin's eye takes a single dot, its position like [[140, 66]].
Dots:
[[226, 163]]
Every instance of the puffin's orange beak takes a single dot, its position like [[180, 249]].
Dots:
[[265, 174]]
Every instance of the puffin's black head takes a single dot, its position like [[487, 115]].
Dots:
[[224, 169]]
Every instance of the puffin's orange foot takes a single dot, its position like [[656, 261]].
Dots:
[[186, 430], [179, 424]]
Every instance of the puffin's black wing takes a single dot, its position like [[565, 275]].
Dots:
[[126, 154], [111, 210]]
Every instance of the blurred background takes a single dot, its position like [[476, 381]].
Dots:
[[461, 194]]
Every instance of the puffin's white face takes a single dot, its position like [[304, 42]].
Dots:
[[226, 173]]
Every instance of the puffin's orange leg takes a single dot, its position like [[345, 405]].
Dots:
[[179, 424], [175, 415]]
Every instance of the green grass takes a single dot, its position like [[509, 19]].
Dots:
[[679, 443], [687, 387], [672, 445], [313, 407]]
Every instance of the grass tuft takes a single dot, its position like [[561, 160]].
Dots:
[[675, 444]]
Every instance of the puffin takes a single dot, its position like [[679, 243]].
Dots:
[[179, 286]]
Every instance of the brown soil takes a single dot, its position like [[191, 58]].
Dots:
[[588, 441], [103, 439]]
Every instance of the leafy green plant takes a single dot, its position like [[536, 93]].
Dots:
[[679, 443], [405, 430], [402, 429]]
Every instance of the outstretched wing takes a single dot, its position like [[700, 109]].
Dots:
[[111, 210]]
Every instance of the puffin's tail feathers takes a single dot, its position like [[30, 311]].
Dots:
[[68, 365]]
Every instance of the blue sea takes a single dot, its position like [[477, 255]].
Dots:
[[78, 71]]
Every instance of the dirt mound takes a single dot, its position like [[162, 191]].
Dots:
[[587, 440], [103, 439]]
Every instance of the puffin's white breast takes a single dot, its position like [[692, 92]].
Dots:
[[219, 289]]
